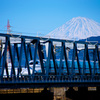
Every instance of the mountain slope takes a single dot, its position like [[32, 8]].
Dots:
[[76, 28]]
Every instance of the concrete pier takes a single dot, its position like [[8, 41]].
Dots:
[[83, 93]]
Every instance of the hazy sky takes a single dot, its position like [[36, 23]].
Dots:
[[43, 16]]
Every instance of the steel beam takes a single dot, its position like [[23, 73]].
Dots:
[[95, 57], [66, 59], [12, 59], [98, 55], [88, 59], [4, 58], [76, 55], [20, 58], [27, 62], [48, 59], [84, 60], [73, 59], [41, 58], [53, 57]]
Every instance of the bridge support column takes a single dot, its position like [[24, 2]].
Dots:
[[81, 94], [71, 93], [98, 89], [83, 89], [47, 95]]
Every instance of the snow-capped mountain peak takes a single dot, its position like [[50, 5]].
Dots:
[[76, 28]]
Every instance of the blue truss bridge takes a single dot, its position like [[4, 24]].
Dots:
[[27, 61]]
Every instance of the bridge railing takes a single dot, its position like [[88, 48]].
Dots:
[[38, 59]]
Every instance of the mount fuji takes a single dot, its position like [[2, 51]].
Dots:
[[76, 29]]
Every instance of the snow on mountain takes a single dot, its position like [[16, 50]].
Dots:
[[75, 29]]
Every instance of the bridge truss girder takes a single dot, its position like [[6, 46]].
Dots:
[[56, 77]]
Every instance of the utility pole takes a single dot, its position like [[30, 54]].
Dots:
[[8, 27]]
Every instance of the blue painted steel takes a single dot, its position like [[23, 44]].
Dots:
[[29, 50], [35, 54], [12, 60], [84, 60], [27, 62], [53, 71], [0, 51], [61, 58], [16, 50], [4, 58], [48, 65], [98, 54], [95, 57], [41, 58], [66, 59], [20, 58], [88, 59], [76, 55], [73, 59], [53, 57]]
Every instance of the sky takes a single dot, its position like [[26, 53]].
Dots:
[[35, 17]]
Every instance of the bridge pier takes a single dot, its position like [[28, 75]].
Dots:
[[83, 89], [98, 89], [46, 94], [71, 93], [83, 94]]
